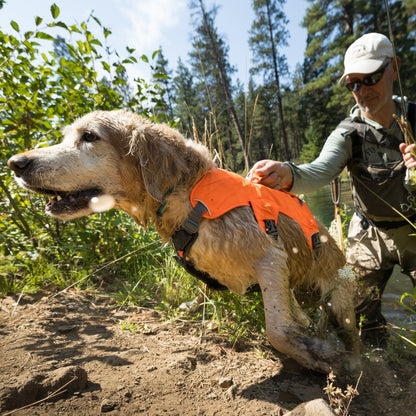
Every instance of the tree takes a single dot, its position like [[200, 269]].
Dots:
[[215, 48], [162, 76], [330, 28], [267, 33], [187, 107]]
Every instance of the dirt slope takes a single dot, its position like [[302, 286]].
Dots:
[[74, 345]]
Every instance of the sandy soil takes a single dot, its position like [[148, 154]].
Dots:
[[92, 358]]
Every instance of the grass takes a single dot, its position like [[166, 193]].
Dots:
[[107, 251], [141, 272]]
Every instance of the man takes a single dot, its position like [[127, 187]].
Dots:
[[370, 144]]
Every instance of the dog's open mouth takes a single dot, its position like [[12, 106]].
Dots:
[[68, 203]]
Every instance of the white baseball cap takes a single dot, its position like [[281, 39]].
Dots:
[[367, 54]]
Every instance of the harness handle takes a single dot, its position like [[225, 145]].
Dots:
[[336, 198], [336, 190]]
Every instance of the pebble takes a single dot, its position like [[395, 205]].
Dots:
[[107, 406], [225, 383]]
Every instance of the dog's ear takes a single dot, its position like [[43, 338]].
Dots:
[[159, 158]]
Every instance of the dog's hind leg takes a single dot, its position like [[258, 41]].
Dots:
[[342, 310], [283, 329]]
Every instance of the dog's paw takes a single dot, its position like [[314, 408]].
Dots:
[[352, 364]]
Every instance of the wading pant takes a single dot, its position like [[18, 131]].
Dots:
[[372, 253]]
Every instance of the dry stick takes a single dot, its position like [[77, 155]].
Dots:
[[18, 301], [250, 138], [402, 337], [210, 101], [350, 400], [395, 59], [52, 395]]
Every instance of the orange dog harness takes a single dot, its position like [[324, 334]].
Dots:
[[220, 191]]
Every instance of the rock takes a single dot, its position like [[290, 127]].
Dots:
[[74, 378], [225, 383], [107, 405], [187, 362], [317, 407], [65, 329], [29, 388]]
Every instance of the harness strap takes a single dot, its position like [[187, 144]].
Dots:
[[182, 241], [183, 238], [203, 276]]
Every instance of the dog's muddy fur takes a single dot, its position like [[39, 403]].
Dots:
[[138, 163]]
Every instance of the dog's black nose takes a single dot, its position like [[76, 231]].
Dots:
[[18, 164]]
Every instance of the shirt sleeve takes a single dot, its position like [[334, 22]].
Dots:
[[327, 166]]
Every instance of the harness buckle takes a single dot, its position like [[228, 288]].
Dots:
[[271, 228], [316, 241], [190, 226]]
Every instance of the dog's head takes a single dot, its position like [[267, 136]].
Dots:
[[115, 153]]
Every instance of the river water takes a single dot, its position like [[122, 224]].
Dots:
[[321, 205]]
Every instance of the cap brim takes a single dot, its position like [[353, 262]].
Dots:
[[362, 67]]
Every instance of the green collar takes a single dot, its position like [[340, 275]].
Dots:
[[163, 204]]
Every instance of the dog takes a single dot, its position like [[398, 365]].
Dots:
[[144, 167]]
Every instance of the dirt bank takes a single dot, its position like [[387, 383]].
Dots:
[[98, 359]]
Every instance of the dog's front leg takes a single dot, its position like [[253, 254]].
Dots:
[[283, 330]]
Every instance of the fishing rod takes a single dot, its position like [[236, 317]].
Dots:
[[403, 122]]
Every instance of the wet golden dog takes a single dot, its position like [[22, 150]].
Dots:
[[140, 164]]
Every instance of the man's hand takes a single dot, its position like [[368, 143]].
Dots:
[[409, 152], [276, 175]]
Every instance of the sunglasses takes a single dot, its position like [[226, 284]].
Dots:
[[368, 81]]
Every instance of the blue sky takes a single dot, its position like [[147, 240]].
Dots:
[[148, 24]]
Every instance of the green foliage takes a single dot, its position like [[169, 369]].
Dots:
[[267, 34], [408, 301], [332, 26], [56, 72], [46, 83], [235, 313]]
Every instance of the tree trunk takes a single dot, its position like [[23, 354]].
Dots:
[[277, 84], [226, 89]]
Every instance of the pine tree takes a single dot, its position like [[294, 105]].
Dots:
[[187, 107], [209, 61], [330, 29], [162, 77], [268, 33]]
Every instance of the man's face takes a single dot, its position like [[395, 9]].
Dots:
[[373, 98]]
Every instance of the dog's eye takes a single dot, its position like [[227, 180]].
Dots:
[[88, 136]]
